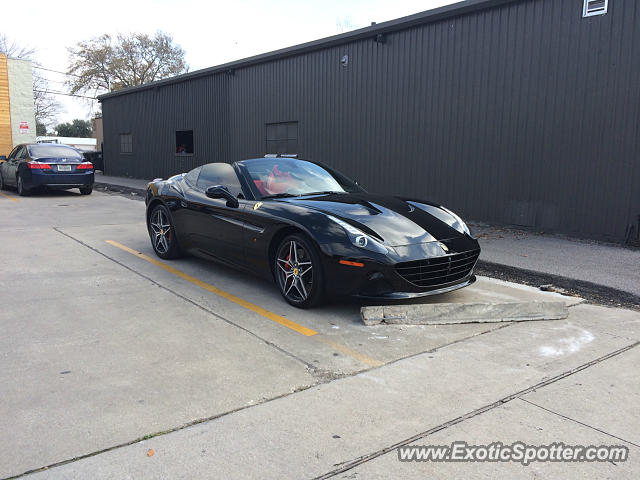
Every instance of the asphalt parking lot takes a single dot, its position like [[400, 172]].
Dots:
[[118, 365]]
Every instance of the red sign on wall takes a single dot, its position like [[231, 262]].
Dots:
[[24, 127]]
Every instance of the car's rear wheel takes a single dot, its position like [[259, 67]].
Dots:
[[2, 185], [22, 190], [298, 271], [162, 233], [86, 190]]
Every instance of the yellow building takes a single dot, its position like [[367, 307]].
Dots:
[[17, 118]]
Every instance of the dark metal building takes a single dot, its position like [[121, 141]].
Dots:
[[523, 112]]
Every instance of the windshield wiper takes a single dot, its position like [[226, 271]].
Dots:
[[286, 195], [279, 195], [326, 192]]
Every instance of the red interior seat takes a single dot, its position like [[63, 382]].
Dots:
[[260, 186]]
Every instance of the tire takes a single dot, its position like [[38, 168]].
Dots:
[[297, 269], [86, 190], [22, 191], [2, 184], [162, 233]]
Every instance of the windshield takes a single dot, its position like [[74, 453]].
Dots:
[[45, 150], [287, 176]]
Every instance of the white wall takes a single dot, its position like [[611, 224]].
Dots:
[[21, 100]]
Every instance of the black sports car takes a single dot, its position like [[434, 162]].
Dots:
[[310, 229]]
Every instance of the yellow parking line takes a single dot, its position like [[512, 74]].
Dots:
[[361, 357], [237, 300], [9, 197]]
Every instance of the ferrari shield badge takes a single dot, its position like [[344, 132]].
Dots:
[[257, 205]]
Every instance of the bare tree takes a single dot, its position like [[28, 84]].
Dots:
[[46, 107], [104, 64], [45, 104], [344, 24], [14, 50]]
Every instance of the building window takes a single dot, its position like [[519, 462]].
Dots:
[[184, 142], [126, 143], [282, 138], [595, 7]]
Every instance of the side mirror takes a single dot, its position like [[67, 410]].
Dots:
[[220, 191]]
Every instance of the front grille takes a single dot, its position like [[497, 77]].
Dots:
[[436, 271]]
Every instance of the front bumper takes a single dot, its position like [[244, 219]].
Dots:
[[381, 277], [465, 282]]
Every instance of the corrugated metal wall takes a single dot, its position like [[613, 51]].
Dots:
[[524, 114]]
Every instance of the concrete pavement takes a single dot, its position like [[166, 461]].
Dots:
[[501, 386], [135, 184], [106, 356]]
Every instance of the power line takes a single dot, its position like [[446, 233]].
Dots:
[[49, 80], [57, 71], [66, 94]]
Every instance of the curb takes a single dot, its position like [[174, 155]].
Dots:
[[592, 292], [468, 312], [140, 192]]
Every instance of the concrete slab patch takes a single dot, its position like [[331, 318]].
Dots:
[[452, 313]]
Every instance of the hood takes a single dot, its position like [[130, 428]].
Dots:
[[396, 221]]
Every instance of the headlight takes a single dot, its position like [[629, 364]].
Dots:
[[359, 238], [458, 224]]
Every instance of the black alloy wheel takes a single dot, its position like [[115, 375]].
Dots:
[[162, 233], [298, 271], [86, 190]]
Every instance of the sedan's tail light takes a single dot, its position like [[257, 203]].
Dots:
[[39, 166], [85, 166]]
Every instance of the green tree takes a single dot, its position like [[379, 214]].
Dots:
[[75, 128], [105, 63], [41, 128]]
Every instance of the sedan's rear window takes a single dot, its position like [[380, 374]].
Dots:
[[52, 151]]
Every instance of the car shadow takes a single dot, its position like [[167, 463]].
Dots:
[[51, 193], [342, 309]]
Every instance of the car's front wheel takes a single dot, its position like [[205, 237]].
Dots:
[[162, 233], [86, 190], [22, 190], [298, 271], [2, 185]]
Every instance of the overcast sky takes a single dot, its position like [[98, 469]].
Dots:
[[211, 32]]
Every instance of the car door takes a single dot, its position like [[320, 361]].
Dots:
[[4, 166], [214, 227], [11, 165]]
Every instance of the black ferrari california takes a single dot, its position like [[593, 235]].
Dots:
[[311, 230]]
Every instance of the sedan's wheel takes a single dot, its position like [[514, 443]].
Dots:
[[22, 191], [86, 190], [298, 271], [162, 233], [2, 185]]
